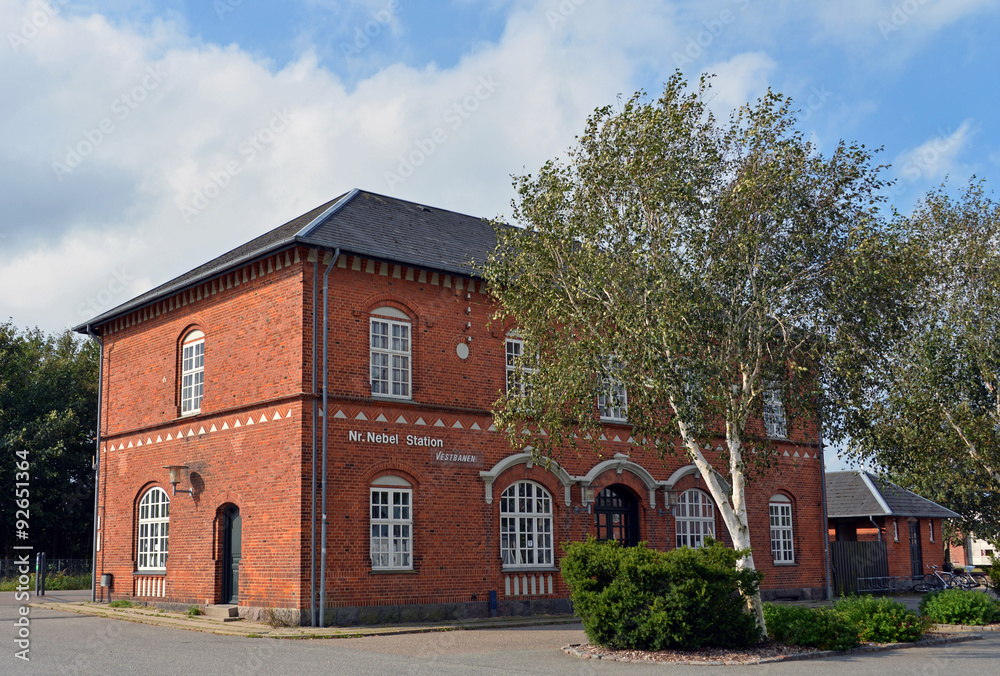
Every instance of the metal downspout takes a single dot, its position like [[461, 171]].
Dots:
[[312, 447], [326, 373], [826, 521], [97, 464]]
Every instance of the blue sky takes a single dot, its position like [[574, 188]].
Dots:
[[141, 137]]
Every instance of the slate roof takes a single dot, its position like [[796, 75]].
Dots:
[[862, 494], [358, 222]]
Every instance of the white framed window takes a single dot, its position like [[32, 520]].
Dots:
[[154, 530], [525, 525], [775, 424], [192, 372], [391, 545], [782, 547], [930, 528], [390, 354], [694, 518], [613, 401], [895, 530], [515, 375]]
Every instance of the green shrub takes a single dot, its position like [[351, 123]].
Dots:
[[637, 598], [194, 611], [960, 606], [882, 620], [53, 582], [822, 628], [122, 603], [993, 574]]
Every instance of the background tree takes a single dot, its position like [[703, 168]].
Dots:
[[48, 408], [934, 421], [699, 264]]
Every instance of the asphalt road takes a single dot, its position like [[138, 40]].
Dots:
[[63, 643]]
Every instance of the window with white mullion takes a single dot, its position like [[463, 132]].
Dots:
[[782, 546], [525, 526], [775, 423], [515, 366], [612, 403], [391, 529], [390, 358], [694, 518], [192, 376], [153, 530]]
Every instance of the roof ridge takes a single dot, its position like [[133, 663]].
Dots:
[[876, 493], [316, 222]]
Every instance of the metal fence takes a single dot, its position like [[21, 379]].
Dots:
[[8, 567], [852, 562]]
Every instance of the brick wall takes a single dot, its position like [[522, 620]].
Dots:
[[258, 370]]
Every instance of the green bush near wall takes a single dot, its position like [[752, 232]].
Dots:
[[960, 606], [822, 628], [638, 598], [882, 620]]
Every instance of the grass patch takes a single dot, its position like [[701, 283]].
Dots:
[[122, 603], [194, 611]]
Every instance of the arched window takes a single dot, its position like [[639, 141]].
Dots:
[[154, 525], [391, 544], [192, 372], [525, 525], [390, 351], [694, 518], [782, 547]]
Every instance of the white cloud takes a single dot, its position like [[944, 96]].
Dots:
[[871, 21], [170, 151], [936, 157], [742, 78]]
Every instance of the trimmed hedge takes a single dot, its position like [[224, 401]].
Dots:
[[960, 606], [637, 598], [882, 620], [822, 628]]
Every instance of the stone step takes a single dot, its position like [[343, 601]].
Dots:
[[225, 612]]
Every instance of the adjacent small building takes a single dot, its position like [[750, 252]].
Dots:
[[302, 427], [863, 508]]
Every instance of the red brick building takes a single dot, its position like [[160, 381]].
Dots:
[[367, 308], [863, 508]]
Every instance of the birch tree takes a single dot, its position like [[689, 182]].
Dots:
[[691, 266], [935, 424]]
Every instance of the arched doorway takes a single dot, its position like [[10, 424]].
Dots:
[[232, 546], [617, 512]]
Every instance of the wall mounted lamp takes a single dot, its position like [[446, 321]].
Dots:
[[175, 478]]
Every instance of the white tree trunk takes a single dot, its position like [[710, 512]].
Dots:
[[732, 507]]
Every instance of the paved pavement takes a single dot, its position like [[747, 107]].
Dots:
[[68, 643]]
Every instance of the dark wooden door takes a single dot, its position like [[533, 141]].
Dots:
[[916, 553], [232, 552], [617, 513]]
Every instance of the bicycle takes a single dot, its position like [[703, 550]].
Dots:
[[965, 578], [935, 581]]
